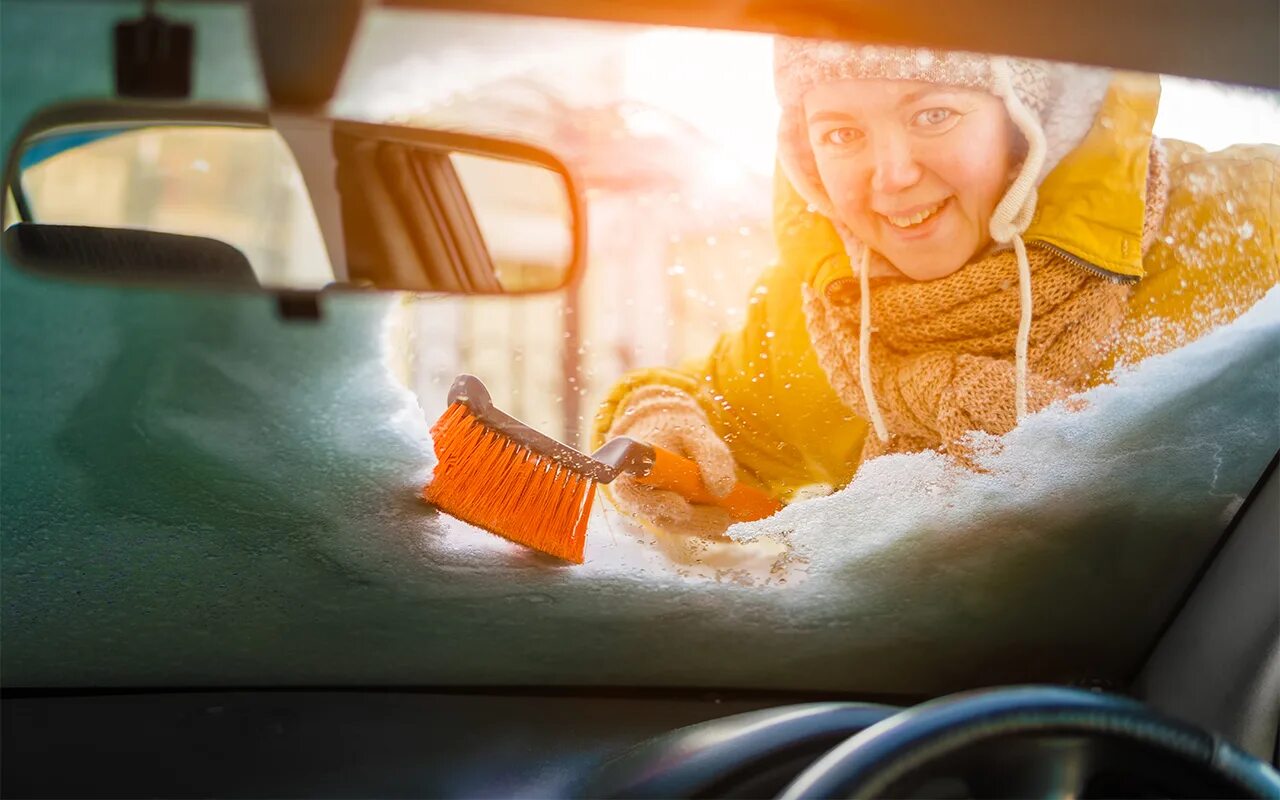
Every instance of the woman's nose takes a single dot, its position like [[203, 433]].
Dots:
[[895, 167]]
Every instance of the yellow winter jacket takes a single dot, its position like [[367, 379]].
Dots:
[[1215, 255]]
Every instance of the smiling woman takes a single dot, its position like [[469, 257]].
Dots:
[[915, 183]]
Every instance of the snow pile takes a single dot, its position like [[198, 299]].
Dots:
[[1179, 438]]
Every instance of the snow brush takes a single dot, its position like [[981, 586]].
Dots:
[[499, 474]]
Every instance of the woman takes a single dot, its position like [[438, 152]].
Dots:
[[963, 240]]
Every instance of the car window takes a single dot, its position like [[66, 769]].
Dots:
[[198, 493]]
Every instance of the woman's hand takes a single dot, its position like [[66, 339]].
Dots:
[[669, 418]]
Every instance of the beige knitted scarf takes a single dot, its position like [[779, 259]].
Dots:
[[942, 357]]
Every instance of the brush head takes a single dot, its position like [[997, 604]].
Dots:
[[499, 474], [485, 478]]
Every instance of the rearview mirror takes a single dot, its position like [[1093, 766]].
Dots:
[[218, 196]]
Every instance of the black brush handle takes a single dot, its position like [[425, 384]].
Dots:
[[619, 455]]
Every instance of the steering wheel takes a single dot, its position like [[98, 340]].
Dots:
[[1019, 742], [1033, 742], [753, 754]]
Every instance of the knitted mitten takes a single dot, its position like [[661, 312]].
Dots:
[[669, 418]]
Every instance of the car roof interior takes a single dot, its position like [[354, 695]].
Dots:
[[1234, 44]]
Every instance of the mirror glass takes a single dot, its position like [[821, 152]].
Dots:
[[303, 207], [238, 185], [524, 216]]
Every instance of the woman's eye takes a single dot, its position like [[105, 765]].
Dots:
[[841, 136], [932, 117]]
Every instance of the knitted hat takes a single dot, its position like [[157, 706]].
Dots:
[[1052, 105]]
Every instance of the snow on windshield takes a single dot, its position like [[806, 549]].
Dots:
[[1132, 486], [1143, 475]]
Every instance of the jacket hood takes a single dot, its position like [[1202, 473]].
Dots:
[[1092, 205]]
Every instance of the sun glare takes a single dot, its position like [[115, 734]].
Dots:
[[719, 82]]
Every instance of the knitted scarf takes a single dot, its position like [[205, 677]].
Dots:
[[942, 353]]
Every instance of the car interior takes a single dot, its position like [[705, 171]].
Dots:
[[1195, 714]]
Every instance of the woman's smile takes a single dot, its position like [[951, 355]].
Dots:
[[915, 223]]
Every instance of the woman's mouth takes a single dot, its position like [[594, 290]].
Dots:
[[918, 222], [916, 218]]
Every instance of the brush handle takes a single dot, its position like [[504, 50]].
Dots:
[[680, 475]]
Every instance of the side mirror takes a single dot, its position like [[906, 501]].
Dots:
[[180, 195]]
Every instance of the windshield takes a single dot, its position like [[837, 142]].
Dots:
[[1069, 388]]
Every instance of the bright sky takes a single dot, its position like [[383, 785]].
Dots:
[[727, 93], [1215, 116]]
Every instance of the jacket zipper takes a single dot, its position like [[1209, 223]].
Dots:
[[1094, 269]]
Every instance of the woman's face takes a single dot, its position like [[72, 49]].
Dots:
[[914, 169]]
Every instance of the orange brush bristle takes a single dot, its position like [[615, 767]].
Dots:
[[486, 478]]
